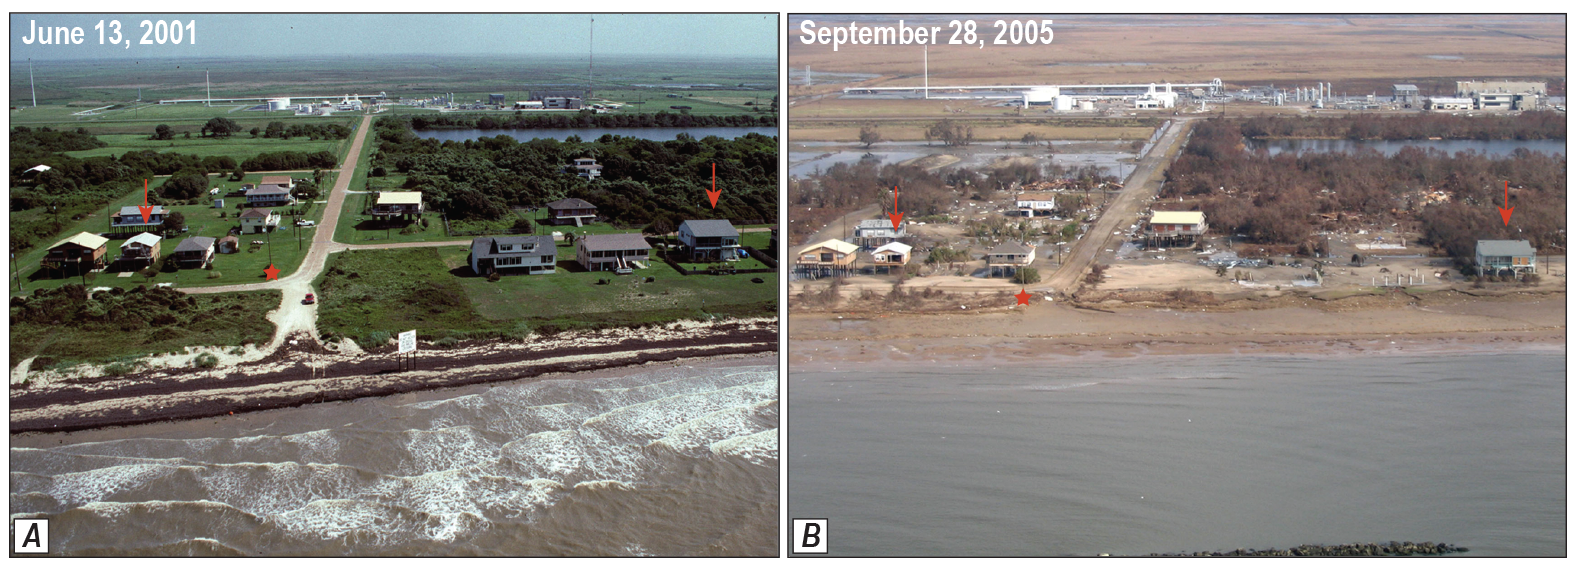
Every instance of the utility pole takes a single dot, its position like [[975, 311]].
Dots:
[[17, 271]]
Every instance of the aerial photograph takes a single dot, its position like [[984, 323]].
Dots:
[[1176, 285], [366, 285]]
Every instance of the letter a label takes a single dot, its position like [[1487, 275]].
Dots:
[[30, 535]]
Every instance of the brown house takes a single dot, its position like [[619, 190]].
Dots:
[[82, 252], [577, 212]]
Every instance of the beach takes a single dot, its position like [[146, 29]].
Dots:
[[302, 372]]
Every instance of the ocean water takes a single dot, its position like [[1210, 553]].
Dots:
[[1174, 454], [679, 461]]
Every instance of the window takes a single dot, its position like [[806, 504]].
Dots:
[[505, 247], [501, 262], [547, 260]]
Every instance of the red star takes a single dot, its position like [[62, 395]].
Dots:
[[1023, 297], [273, 273]]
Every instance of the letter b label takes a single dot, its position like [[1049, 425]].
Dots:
[[809, 536]]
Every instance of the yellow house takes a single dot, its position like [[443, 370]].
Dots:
[[827, 258]]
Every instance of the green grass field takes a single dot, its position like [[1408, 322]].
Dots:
[[224, 319], [201, 220], [369, 291], [241, 147]]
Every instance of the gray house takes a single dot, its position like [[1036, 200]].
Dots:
[[709, 240], [1515, 255], [194, 252], [872, 233], [612, 252], [535, 254]]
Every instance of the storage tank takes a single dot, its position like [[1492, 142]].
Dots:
[[1063, 103], [278, 104]]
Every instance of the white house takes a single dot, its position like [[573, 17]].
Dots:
[[256, 221]]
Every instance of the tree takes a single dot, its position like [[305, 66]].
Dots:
[[253, 132], [868, 135], [380, 171], [221, 127], [522, 225], [238, 174], [276, 129], [951, 133], [306, 190], [1026, 276], [183, 186], [173, 222], [659, 226], [163, 132]]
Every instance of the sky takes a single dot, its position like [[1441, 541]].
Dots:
[[271, 35]]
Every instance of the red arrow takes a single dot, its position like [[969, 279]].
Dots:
[[897, 218], [1505, 211], [714, 192], [146, 210]]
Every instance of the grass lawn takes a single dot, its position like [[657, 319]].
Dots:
[[241, 147], [432, 290], [201, 220], [212, 320]]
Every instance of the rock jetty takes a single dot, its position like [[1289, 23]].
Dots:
[[1346, 550]]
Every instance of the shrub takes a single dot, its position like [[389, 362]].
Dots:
[[375, 339], [493, 277], [445, 342], [119, 369], [206, 360], [650, 279], [1026, 276]]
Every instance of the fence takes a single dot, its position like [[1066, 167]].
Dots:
[[682, 271]]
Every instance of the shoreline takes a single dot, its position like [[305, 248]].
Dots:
[[1060, 333], [302, 372]]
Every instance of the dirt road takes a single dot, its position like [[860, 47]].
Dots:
[[1122, 212], [293, 315]]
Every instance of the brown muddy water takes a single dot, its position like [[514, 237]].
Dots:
[[674, 461]]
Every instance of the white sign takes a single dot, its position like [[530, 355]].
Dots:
[[407, 342]]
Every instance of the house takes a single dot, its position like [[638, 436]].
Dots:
[[1008, 257], [1035, 204], [533, 254], [710, 240], [280, 180], [267, 195], [571, 211], [229, 245], [587, 168], [871, 233], [257, 221], [130, 219], [195, 252], [1493, 256], [1175, 227], [85, 251], [397, 203], [831, 257], [609, 252], [894, 254], [142, 249]]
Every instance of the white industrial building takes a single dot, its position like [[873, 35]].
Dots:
[[1502, 95], [1448, 104]]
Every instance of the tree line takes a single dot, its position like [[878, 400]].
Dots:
[[586, 119], [1541, 125]]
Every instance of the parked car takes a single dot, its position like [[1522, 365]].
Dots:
[[306, 223], [310, 299]]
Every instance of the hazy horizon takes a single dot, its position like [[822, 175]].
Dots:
[[261, 36]]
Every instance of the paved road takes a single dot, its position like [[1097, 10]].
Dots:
[[1121, 213]]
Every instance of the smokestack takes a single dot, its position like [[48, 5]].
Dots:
[[590, 56], [205, 81], [30, 82]]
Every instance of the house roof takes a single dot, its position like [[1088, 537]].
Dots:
[[1036, 197], [257, 213], [869, 224], [1011, 248], [486, 246], [1177, 217], [230, 238], [570, 203], [710, 228], [40, 168], [145, 239], [621, 241], [399, 198], [84, 239], [898, 247], [133, 211], [834, 245], [1505, 248], [195, 244], [1404, 87], [266, 189], [276, 180]]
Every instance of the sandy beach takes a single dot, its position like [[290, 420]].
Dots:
[[1049, 332], [302, 372]]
